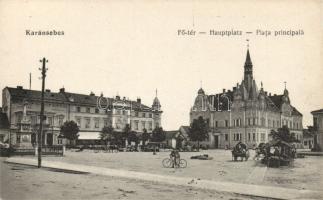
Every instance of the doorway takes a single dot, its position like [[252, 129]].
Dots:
[[216, 141], [49, 138]]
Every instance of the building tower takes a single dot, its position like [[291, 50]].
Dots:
[[156, 107]]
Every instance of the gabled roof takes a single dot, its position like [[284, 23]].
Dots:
[[4, 122], [80, 98], [317, 111], [19, 93], [68, 97], [185, 128], [171, 134], [277, 100], [296, 112], [219, 101]]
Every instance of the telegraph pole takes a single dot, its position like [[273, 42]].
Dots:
[[42, 116]]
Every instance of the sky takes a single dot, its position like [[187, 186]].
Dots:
[[132, 48]]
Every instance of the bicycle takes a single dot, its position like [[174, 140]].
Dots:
[[167, 163]]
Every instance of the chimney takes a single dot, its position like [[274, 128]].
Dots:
[[223, 90], [234, 89], [20, 87], [266, 93], [117, 97], [275, 94], [124, 98], [47, 90], [138, 100], [92, 94], [229, 91], [62, 90]]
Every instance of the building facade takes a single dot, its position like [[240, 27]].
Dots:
[[245, 113], [318, 125], [22, 108]]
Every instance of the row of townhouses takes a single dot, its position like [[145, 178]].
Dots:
[[21, 107]]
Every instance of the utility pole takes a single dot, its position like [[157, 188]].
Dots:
[[29, 81], [42, 116]]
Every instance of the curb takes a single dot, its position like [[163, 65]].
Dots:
[[237, 188]]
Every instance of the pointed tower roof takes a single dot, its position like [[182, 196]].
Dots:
[[156, 103], [248, 59]]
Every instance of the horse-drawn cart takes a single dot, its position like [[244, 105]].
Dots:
[[240, 150]]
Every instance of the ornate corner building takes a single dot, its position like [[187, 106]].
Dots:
[[245, 113], [21, 107]]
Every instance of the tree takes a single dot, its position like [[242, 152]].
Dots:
[[313, 131], [106, 134], [158, 135], [70, 130], [126, 132], [145, 137], [283, 134], [198, 131], [132, 137]]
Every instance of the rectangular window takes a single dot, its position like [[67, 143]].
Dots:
[[143, 124], [33, 120], [78, 109], [136, 125], [96, 123], [254, 137], [78, 121], [226, 137], [87, 122], [150, 124], [216, 123], [50, 121], [88, 110], [60, 120], [226, 123], [143, 114], [105, 121], [249, 136], [263, 137], [96, 110]]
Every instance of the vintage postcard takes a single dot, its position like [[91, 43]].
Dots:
[[161, 99]]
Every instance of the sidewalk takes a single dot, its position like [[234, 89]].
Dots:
[[244, 189]]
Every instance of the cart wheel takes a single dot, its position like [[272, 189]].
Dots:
[[167, 162], [182, 163]]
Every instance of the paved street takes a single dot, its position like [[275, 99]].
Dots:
[[28, 182], [306, 173]]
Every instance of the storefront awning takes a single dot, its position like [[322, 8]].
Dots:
[[89, 136]]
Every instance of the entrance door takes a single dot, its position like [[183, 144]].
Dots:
[[216, 141], [49, 139]]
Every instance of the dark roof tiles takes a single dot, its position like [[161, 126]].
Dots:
[[73, 98]]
